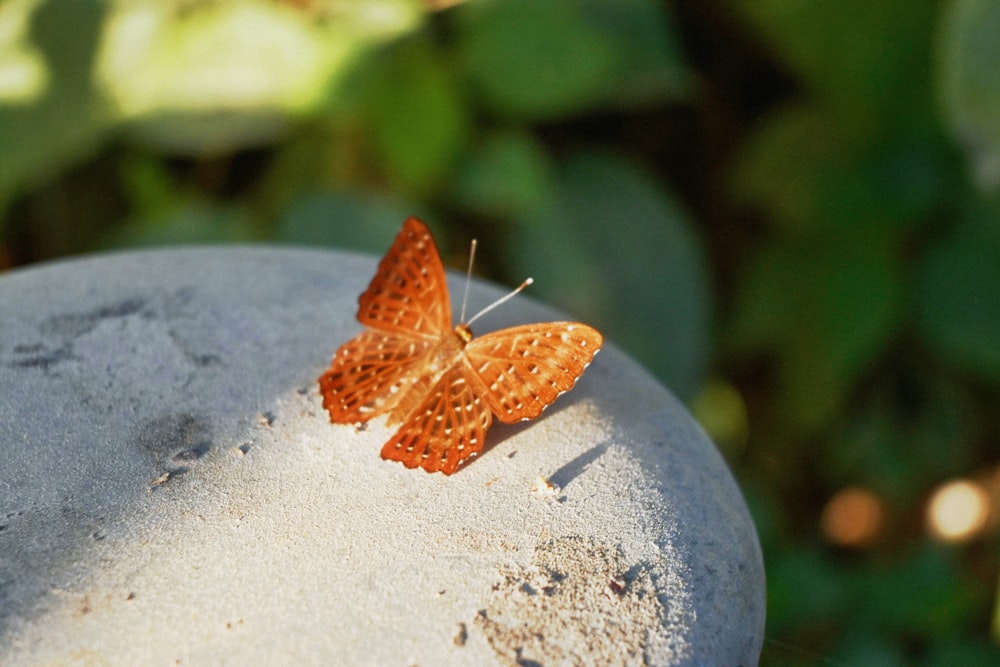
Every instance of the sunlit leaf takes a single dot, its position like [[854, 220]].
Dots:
[[23, 74], [969, 82], [221, 76]]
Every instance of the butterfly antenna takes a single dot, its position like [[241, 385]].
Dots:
[[468, 278], [499, 301]]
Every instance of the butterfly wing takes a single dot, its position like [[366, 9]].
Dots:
[[525, 368], [445, 430], [409, 293], [370, 375], [407, 309]]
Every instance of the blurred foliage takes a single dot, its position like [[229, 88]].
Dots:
[[788, 210]]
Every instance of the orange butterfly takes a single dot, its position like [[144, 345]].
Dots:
[[439, 382]]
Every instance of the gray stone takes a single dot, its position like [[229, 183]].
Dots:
[[171, 490]]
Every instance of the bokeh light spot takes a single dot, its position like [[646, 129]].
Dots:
[[721, 411], [958, 511], [853, 517]]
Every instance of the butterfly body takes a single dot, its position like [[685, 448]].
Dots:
[[439, 382]]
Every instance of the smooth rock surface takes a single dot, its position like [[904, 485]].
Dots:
[[172, 492]]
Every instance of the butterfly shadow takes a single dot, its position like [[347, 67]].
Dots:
[[501, 432], [574, 468]]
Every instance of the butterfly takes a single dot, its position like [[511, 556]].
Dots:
[[442, 385]]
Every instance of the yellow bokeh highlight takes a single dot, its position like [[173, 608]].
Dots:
[[721, 411], [958, 511], [24, 76], [217, 56]]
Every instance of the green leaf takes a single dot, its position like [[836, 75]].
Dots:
[[188, 222], [217, 77], [959, 296], [969, 82], [151, 188], [808, 170], [867, 646], [65, 123], [649, 65], [541, 60], [507, 174], [536, 59], [925, 594], [367, 222], [803, 588], [824, 306], [419, 117], [908, 434], [786, 160], [864, 58], [963, 650], [614, 248]]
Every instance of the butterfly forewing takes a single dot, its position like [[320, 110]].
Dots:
[[371, 373], [409, 292], [445, 430], [524, 369]]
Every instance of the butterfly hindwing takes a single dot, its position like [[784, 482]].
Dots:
[[525, 368], [409, 293], [445, 430], [370, 374]]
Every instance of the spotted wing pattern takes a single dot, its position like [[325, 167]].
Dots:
[[446, 429], [371, 373], [408, 311], [409, 293], [524, 369]]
